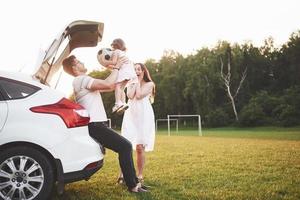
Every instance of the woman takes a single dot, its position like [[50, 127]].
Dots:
[[138, 122]]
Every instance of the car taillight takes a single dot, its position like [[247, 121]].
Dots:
[[72, 114], [93, 165]]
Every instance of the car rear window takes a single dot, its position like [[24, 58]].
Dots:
[[12, 89]]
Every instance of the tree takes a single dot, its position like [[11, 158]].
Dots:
[[227, 82]]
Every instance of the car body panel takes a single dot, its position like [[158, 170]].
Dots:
[[74, 153], [3, 114], [73, 146], [77, 151]]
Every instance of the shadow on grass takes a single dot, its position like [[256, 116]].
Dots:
[[120, 192]]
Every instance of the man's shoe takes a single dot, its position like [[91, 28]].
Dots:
[[139, 190], [145, 187], [120, 181]]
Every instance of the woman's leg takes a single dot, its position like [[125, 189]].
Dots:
[[140, 155]]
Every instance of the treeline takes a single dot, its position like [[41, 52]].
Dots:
[[228, 85]]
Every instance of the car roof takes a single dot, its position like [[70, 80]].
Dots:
[[21, 77]]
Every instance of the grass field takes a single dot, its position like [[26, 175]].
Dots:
[[256, 133], [257, 163]]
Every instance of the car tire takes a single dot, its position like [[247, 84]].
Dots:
[[25, 173]]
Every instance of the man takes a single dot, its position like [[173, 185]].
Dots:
[[87, 93]]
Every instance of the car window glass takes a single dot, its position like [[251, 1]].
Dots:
[[61, 48], [1, 96], [16, 90]]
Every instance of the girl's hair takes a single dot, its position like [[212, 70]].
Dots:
[[147, 78], [118, 44]]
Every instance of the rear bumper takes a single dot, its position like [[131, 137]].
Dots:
[[70, 177]]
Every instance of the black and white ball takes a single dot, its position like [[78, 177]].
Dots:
[[107, 53]]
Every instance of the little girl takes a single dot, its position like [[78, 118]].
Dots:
[[126, 73]]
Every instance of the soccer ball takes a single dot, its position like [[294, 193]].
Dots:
[[107, 53]]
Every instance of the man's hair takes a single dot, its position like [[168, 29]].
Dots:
[[68, 63]]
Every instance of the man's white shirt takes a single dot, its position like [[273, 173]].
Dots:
[[91, 100]]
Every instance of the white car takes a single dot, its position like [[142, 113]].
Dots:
[[44, 137]]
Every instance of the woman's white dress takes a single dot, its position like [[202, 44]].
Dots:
[[138, 123]]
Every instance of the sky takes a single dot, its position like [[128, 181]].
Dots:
[[148, 27]]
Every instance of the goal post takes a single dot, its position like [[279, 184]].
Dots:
[[157, 120], [169, 118], [109, 122]]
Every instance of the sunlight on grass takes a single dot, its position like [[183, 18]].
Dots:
[[193, 167], [258, 133]]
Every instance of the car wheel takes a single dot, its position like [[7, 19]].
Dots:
[[25, 173]]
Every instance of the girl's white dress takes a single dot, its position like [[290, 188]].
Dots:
[[126, 71], [138, 123]]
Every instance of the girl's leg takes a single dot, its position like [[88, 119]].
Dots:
[[118, 93], [118, 98], [123, 96], [140, 155], [120, 104]]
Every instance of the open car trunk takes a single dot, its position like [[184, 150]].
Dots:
[[76, 34]]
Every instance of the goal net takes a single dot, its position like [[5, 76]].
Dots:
[[172, 117], [166, 121]]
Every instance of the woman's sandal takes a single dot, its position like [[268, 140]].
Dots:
[[141, 180]]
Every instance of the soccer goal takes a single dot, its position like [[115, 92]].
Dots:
[[158, 120], [171, 117]]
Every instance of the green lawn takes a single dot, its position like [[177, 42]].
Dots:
[[257, 133], [258, 163]]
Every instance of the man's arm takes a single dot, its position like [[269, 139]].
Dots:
[[106, 84]]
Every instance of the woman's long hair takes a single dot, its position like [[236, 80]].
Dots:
[[147, 78]]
